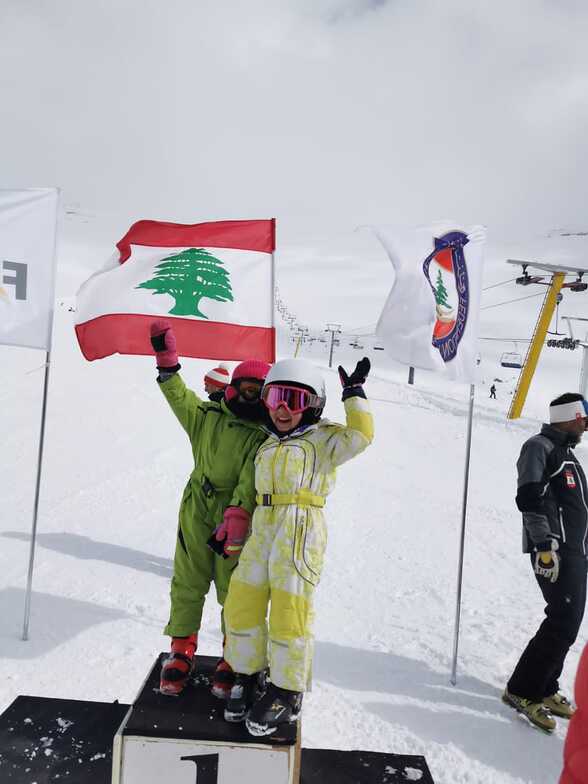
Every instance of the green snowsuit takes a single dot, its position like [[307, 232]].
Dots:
[[224, 448]]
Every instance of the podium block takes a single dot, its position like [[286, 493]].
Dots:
[[185, 739], [180, 739], [46, 740], [327, 766]]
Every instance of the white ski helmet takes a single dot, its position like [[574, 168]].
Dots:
[[298, 372]]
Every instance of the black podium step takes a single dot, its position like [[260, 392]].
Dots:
[[45, 741], [322, 766]]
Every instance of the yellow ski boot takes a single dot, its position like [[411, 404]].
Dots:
[[536, 712], [559, 705]]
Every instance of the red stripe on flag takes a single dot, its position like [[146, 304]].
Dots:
[[123, 333], [259, 235]]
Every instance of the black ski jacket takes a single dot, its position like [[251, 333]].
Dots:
[[552, 493]]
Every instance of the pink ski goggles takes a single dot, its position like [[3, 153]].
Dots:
[[296, 400]]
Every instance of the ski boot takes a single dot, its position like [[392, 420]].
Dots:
[[275, 707], [536, 712], [222, 680], [559, 705], [243, 694], [178, 665]]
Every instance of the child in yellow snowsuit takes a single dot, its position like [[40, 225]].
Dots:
[[282, 561]]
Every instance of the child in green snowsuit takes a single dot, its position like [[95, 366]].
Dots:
[[219, 498]]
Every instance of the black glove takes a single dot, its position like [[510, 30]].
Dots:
[[217, 546], [352, 385]]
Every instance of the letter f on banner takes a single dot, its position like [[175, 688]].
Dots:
[[28, 223], [18, 280]]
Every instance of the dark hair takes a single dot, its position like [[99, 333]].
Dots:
[[568, 397]]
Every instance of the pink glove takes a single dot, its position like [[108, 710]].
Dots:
[[163, 341], [233, 529]]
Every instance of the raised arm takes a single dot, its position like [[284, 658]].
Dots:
[[350, 439], [184, 402]]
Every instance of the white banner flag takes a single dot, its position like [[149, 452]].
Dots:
[[28, 220], [430, 319]]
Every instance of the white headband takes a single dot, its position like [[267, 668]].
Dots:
[[566, 412]]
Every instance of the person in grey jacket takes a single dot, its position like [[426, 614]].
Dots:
[[552, 495]]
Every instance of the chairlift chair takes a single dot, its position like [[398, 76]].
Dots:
[[511, 359]]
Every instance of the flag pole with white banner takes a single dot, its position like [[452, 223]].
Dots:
[[430, 321], [28, 223], [214, 281]]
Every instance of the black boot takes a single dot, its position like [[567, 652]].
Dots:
[[243, 694], [275, 707]]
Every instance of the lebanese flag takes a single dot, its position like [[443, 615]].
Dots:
[[212, 281]]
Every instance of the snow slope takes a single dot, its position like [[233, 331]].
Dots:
[[116, 462]]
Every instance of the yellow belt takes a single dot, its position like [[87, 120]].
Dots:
[[301, 498]]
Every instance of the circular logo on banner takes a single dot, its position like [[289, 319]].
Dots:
[[447, 275]]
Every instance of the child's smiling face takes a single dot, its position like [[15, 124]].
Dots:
[[283, 419]]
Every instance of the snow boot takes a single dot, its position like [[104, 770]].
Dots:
[[222, 680], [559, 705], [243, 694], [178, 665], [274, 708], [536, 712]]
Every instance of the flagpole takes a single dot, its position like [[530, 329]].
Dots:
[[29, 588], [27, 612], [464, 506], [274, 306]]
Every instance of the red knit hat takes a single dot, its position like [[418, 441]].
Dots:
[[217, 377], [251, 368]]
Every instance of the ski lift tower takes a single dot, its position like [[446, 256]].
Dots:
[[583, 382], [334, 329], [557, 273]]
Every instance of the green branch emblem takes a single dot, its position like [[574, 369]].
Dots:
[[441, 291], [188, 277]]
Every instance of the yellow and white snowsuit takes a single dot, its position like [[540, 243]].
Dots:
[[282, 560]]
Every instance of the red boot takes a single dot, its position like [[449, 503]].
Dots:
[[178, 665], [222, 680]]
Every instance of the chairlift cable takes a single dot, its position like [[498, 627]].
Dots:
[[508, 302], [494, 285], [358, 330], [504, 282], [508, 340]]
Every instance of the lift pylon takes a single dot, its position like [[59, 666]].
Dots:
[[535, 346]]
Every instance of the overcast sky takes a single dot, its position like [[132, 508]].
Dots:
[[324, 113]]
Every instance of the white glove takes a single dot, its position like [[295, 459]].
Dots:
[[547, 562]]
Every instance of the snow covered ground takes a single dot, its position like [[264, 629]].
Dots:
[[116, 462]]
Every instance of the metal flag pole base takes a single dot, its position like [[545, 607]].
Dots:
[[27, 611], [464, 507]]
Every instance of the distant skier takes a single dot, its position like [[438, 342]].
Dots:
[[493, 392], [282, 560], [552, 494], [219, 496], [215, 383], [576, 749]]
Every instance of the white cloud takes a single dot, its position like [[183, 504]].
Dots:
[[336, 113]]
